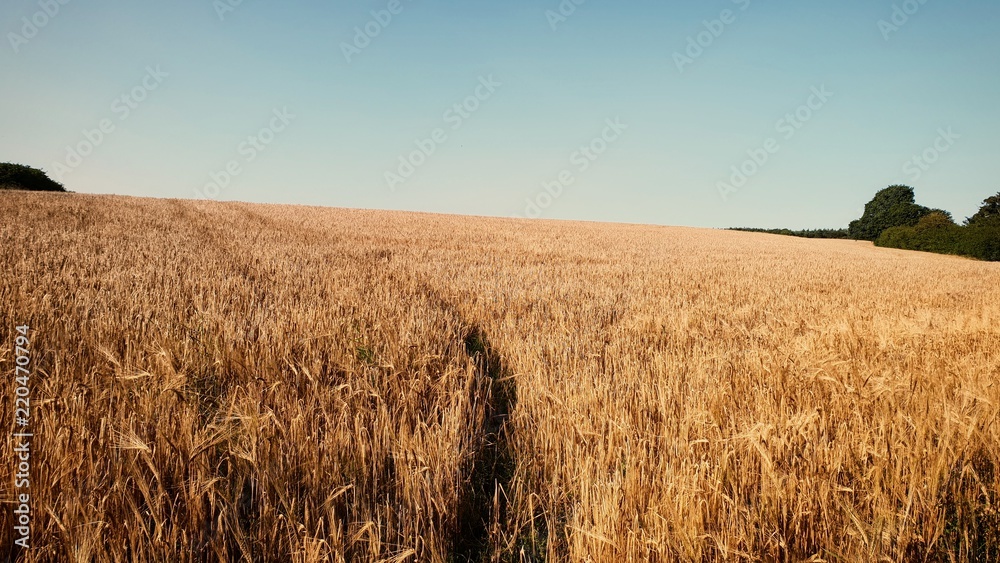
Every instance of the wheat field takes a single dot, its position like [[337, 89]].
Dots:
[[237, 382]]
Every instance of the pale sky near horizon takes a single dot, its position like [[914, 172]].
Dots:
[[641, 108]]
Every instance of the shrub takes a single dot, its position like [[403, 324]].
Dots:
[[981, 242], [21, 177], [936, 233], [933, 233], [896, 237]]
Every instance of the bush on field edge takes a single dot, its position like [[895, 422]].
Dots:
[[21, 177]]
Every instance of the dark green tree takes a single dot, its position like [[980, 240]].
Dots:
[[21, 177], [894, 206], [988, 214]]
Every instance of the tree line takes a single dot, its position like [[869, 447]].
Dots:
[[893, 219]]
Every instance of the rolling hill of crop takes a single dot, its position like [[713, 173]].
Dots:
[[221, 381]]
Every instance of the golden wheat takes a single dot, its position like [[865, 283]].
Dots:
[[235, 382]]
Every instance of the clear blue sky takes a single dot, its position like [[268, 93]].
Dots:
[[219, 79]]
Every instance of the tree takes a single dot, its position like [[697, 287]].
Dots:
[[901, 223], [982, 232], [936, 219], [21, 177], [946, 214], [894, 206], [988, 214]]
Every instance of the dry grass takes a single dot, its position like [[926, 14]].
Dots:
[[258, 383]]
